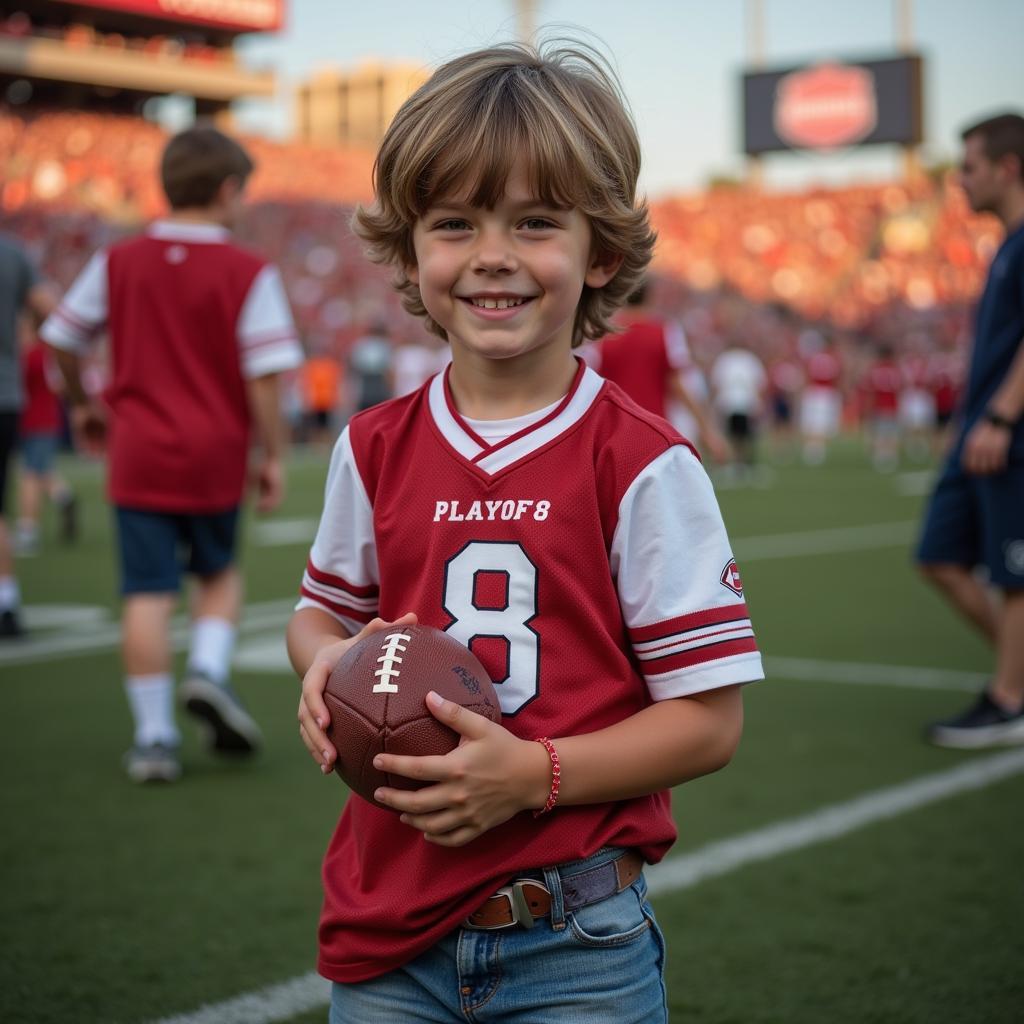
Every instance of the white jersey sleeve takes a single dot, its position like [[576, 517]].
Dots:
[[342, 577], [83, 310], [678, 585], [266, 333]]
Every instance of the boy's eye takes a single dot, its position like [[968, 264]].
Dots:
[[452, 224], [537, 223]]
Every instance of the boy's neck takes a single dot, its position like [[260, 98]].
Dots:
[[196, 215], [493, 389]]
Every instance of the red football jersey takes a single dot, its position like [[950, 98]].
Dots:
[[824, 369], [41, 413], [583, 559], [191, 317], [882, 385], [641, 359]]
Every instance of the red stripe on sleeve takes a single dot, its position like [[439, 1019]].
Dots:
[[337, 607], [339, 583], [684, 623], [699, 656]]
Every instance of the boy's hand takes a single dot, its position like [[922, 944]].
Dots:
[[488, 778], [268, 482], [314, 718], [89, 427]]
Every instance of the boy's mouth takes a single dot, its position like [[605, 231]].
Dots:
[[496, 301]]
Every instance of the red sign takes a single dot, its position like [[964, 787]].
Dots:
[[236, 15], [826, 106]]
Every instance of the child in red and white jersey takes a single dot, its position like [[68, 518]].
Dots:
[[541, 517], [199, 332]]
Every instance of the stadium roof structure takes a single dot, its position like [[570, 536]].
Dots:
[[143, 47]]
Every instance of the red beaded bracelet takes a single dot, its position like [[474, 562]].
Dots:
[[556, 775]]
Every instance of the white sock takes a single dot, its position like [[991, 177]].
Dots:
[[151, 699], [213, 643], [10, 595]]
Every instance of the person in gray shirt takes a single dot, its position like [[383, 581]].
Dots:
[[20, 290]]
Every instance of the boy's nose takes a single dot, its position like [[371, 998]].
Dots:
[[493, 254]]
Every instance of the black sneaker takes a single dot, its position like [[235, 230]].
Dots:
[[229, 726], [984, 724], [10, 625]]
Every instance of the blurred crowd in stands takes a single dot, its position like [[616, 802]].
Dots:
[[893, 268], [186, 45]]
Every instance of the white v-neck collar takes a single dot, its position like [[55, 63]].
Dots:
[[492, 460], [188, 231]]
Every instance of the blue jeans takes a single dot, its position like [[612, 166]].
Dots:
[[600, 964]]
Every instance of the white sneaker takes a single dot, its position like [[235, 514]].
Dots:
[[153, 762]]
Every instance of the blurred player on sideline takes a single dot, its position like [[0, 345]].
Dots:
[[40, 430], [976, 515], [739, 382], [881, 388], [647, 358], [20, 290], [199, 331], [785, 382], [821, 405]]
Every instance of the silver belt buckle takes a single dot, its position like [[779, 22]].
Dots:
[[517, 903]]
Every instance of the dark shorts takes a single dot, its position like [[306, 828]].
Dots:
[[977, 520], [740, 426], [8, 439], [39, 452], [157, 547], [782, 409]]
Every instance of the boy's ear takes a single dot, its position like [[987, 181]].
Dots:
[[230, 188], [603, 267], [413, 273]]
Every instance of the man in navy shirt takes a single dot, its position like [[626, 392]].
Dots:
[[976, 515]]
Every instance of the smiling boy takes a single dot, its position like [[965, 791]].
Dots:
[[570, 538]]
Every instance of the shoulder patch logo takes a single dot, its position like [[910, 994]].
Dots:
[[730, 578]]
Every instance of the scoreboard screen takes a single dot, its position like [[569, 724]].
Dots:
[[833, 104], [232, 15]]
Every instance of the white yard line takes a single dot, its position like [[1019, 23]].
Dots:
[[264, 1006], [98, 635], [831, 822], [834, 540], [869, 674], [277, 1003], [269, 533]]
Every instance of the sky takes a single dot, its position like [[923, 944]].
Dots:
[[680, 63]]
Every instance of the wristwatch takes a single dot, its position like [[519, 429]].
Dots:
[[998, 421]]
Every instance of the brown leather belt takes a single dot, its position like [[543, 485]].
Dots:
[[526, 899]]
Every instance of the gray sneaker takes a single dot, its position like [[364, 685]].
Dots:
[[153, 762], [230, 728]]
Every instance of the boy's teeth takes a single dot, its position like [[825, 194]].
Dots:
[[497, 303]]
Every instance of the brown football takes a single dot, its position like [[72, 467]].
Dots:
[[376, 696]]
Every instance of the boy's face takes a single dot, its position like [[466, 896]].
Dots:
[[507, 281]]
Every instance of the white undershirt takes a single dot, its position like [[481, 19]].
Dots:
[[496, 431]]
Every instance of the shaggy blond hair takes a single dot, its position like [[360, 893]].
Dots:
[[464, 129]]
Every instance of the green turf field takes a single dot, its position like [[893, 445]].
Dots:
[[122, 904]]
